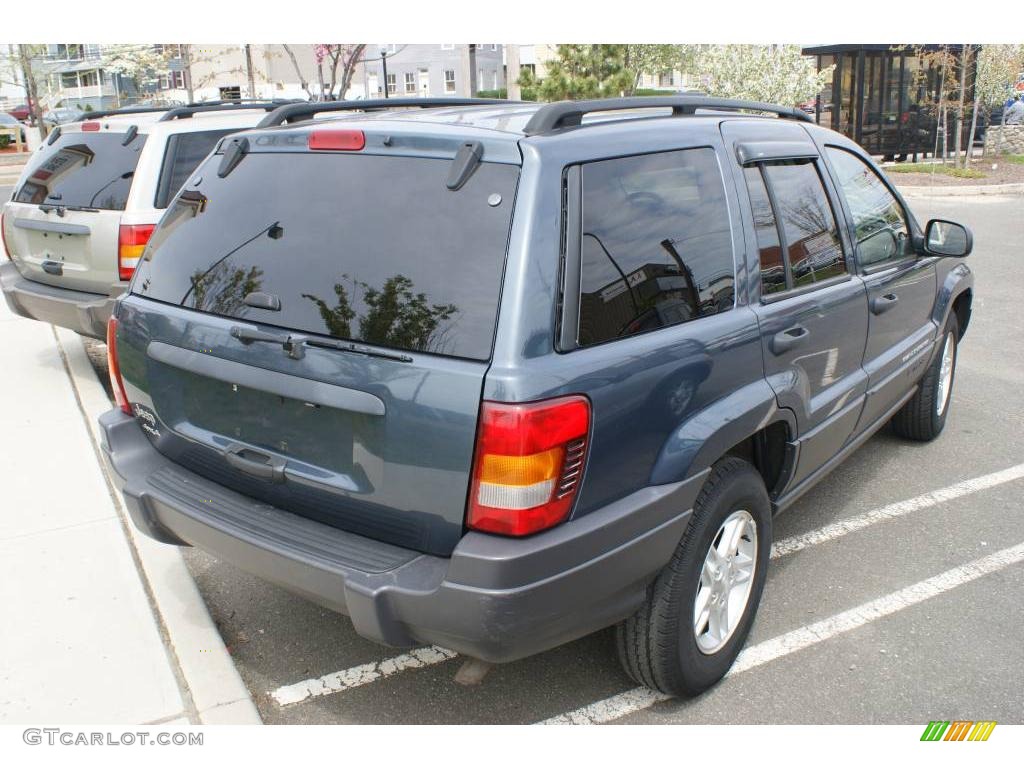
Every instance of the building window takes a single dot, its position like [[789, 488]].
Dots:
[[230, 92], [480, 80], [410, 82], [392, 84], [90, 79], [449, 81], [494, 46], [69, 80], [666, 79]]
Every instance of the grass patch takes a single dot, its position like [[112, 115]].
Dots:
[[1017, 159], [945, 170]]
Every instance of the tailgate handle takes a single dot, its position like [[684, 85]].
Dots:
[[255, 463], [53, 267], [57, 227]]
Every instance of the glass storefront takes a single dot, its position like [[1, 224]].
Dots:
[[886, 97]]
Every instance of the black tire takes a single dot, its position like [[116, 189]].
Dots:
[[921, 417], [657, 646]]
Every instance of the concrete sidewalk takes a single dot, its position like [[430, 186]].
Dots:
[[94, 628]]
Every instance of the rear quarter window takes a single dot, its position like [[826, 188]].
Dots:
[[83, 170], [656, 244], [184, 153]]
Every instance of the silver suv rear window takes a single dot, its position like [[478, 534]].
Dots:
[[83, 170]]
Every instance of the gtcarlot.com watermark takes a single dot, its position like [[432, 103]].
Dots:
[[69, 738]]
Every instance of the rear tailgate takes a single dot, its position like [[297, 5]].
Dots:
[[65, 214], [387, 284]]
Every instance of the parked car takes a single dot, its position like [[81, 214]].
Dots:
[[88, 200], [21, 113], [498, 376], [8, 123], [62, 115]]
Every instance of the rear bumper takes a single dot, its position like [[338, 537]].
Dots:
[[495, 598], [85, 313]]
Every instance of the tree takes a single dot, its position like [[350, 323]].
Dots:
[[583, 72], [656, 60], [303, 82], [998, 67], [139, 64], [335, 57], [777, 74]]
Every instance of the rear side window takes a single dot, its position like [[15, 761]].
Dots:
[[184, 153], [656, 245], [362, 247], [83, 170], [789, 198]]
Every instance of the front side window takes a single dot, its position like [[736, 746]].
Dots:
[[879, 221], [808, 228], [656, 245]]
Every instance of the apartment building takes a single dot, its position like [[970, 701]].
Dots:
[[443, 69]]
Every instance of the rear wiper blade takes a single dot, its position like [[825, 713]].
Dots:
[[294, 344], [348, 346]]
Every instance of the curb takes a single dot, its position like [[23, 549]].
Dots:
[[965, 191], [218, 694]]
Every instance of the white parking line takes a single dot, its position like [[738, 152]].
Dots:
[[361, 675], [641, 698], [898, 509], [636, 699]]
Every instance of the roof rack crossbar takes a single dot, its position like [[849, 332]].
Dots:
[[565, 114], [291, 113], [177, 113]]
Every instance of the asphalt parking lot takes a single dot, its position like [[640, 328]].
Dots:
[[874, 612]]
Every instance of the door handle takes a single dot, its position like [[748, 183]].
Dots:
[[881, 304], [255, 463], [783, 341]]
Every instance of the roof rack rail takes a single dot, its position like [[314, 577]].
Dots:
[[565, 114], [176, 113], [291, 113], [271, 103], [96, 115]]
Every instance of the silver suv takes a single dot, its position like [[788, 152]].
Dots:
[[89, 198]]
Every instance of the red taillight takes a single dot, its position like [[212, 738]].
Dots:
[[116, 382], [528, 464], [131, 242], [344, 139], [91, 126]]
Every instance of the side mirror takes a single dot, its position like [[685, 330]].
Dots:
[[947, 238]]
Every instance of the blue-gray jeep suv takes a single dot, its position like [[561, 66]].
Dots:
[[496, 375]]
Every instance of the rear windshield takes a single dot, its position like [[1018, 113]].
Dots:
[[360, 247], [84, 170]]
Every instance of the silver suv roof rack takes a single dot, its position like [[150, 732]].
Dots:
[[293, 113], [566, 114]]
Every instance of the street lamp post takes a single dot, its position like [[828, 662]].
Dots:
[[384, 66]]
